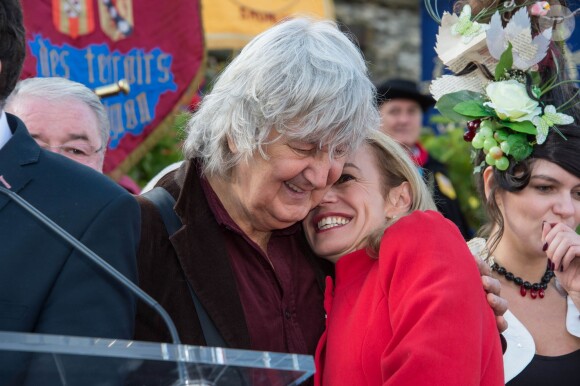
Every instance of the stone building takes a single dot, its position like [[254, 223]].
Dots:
[[388, 32]]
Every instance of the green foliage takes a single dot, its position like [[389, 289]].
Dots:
[[446, 105], [519, 147], [473, 108], [451, 149], [506, 62], [522, 127], [165, 152]]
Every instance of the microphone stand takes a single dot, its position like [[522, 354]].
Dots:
[[109, 269]]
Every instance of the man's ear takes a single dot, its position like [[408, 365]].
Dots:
[[398, 200], [231, 145]]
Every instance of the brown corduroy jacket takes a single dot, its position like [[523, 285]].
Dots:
[[195, 253]]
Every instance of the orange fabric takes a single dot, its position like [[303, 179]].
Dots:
[[231, 24], [73, 23]]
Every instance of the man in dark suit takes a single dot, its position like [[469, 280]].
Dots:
[[401, 105], [45, 285]]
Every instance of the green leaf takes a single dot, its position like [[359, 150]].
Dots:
[[447, 103], [520, 148], [473, 108], [500, 135], [521, 127], [506, 62], [536, 78]]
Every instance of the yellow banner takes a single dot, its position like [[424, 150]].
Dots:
[[230, 24]]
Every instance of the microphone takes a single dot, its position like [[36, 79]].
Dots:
[[110, 270]]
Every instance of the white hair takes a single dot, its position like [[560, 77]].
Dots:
[[303, 78], [61, 89]]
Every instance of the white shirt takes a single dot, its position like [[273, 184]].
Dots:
[[5, 133], [151, 184]]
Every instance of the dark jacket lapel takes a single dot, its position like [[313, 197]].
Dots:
[[18, 158], [202, 254]]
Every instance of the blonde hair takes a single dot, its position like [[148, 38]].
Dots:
[[396, 167]]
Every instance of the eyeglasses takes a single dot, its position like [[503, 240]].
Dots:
[[78, 150]]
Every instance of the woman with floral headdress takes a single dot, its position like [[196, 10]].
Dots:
[[524, 126], [534, 209]]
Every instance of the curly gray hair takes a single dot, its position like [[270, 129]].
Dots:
[[303, 78]]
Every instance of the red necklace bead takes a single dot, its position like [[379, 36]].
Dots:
[[533, 294], [522, 291], [541, 293]]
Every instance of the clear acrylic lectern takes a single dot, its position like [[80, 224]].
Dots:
[[53, 360]]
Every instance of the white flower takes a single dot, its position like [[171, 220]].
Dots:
[[511, 101]]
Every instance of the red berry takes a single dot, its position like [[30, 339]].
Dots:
[[469, 135], [473, 125]]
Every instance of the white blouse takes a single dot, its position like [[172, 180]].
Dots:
[[520, 344]]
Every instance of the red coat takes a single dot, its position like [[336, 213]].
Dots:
[[417, 315]]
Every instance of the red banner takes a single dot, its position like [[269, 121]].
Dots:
[[157, 46]]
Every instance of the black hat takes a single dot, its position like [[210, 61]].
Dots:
[[403, 89]]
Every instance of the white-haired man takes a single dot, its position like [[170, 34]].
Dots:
[[63, 116]]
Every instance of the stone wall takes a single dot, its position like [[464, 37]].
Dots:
[[388, 32]]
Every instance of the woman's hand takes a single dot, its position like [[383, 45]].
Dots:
[[492, 287], [563, 249]]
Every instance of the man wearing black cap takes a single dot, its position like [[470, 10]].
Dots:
[[401, 106]]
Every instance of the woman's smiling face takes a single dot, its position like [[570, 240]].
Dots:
[[353, 208]]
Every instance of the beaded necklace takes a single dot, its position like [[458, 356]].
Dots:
[[535, 289]]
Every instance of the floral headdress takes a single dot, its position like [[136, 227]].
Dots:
[[497, 86]]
